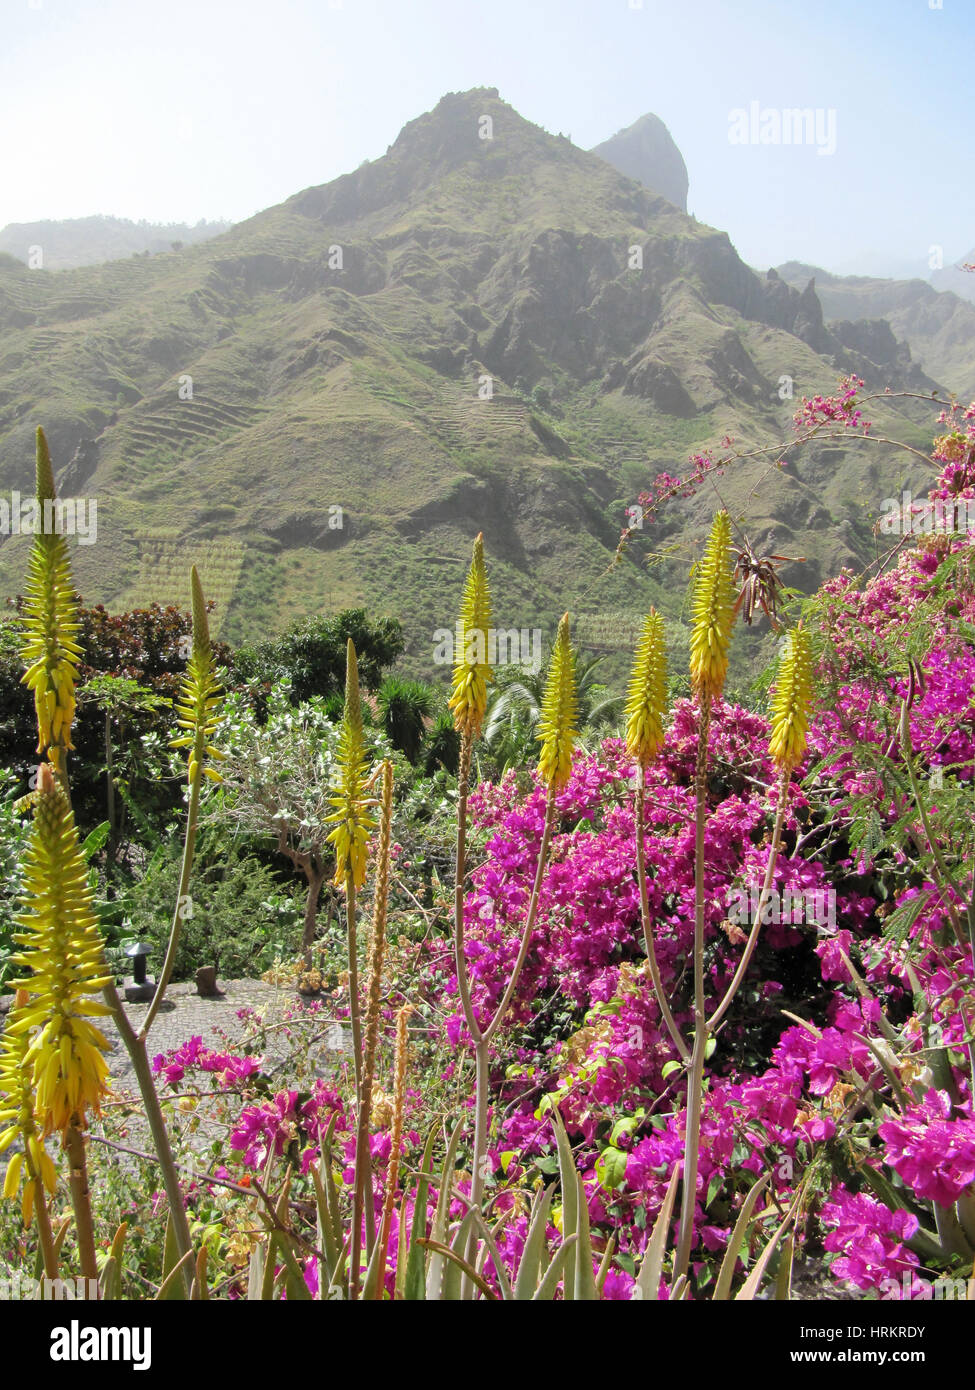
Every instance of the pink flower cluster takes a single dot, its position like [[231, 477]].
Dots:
[[840, 409], [286, 1120], [932, 1151], [229, 1068], [868, 1239]]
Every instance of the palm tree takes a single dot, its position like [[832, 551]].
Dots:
[[442, 746], [514, 709], [403, 707]]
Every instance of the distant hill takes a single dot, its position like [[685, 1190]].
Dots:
[[485, 329], [646, 151], [93, 240], [940, 327], [952, 277]]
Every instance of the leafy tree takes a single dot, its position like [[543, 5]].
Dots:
[[311, 654], [125, 705], [277, 785], [240, 920]]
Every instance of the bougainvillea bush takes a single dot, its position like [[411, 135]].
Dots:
[[836, 1134]]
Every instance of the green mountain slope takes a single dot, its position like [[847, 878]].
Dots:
[[452, 338]]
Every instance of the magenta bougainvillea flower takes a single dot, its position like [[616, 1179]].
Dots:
[[933, 1152]]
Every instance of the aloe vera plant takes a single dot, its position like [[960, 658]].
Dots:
[[61, 944], [50, 625], [197, 716], [353, 825]]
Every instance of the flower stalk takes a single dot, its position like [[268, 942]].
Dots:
[[363, 1185], [197, 711], [62, 949], [18, 1119], [51, 623], [714, 617], [351, 838], [396, 1137], [468, 704], [646, 709], [787, 745], [557, 729]]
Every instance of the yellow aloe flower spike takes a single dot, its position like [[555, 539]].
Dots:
[[198, 704], [351, 834], [18, 1117], [51, 623], [792, 701], [472, 674], [714, 596], [557, 724], [63, 949], [646, 700]]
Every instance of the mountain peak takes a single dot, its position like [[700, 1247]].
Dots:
[[461, 128], [646, 151]]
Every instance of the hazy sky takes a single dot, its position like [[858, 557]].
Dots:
[[217, 108]]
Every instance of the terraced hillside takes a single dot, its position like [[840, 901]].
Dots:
[[322, 406]]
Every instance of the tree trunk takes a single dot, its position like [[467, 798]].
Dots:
[[316, 877]]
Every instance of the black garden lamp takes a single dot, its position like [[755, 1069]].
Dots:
[[141, 989]]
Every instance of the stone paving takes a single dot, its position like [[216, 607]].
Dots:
[[185, 1015]]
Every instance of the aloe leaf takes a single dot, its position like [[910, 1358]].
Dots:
[[201, 1291], [783, 1280], [491, 1248], [413, 1282], [172, 1289], [570, 1201], [402, 1249], [371, 1285], [255, 1274], [529, 1266], [546, 1290], [585, 1285], [170, 1249], [652, 1266], [722, 1289], [294, 1279], [455, 1261], [752, 1284], [267, 1280], [605, 1265], [435, 1265], [327, 1241], [110, 1281], [452, 1290]]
